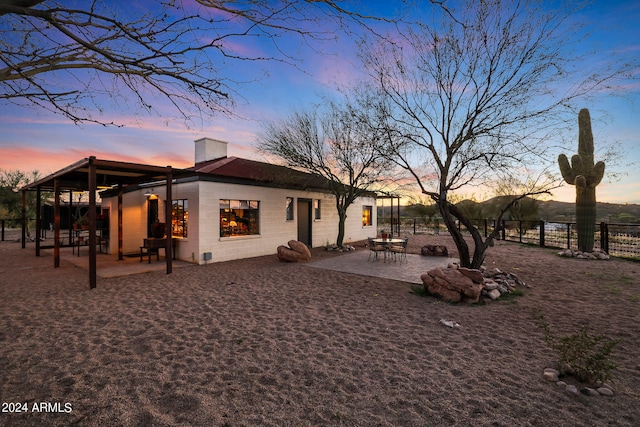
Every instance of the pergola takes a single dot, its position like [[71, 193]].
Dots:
[[392, 197], [89, 174]]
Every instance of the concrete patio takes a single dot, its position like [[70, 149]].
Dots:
[[358, 262], [108, 265]]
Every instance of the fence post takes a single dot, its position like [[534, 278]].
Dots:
[[604, 236], [485, 228], [520, 229], [542, 234], [414, 225], [504, 230], [2, 230], [568, 235]]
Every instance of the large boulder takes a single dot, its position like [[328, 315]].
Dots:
[[452, 285], [301, 248], [295, 252]]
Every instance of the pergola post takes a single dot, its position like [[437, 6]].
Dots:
[[92, 222], [391, 215], [168, 215], [398, 206], [120, 233], [70, 217], [38, 220], [24, 218], [56, 223]]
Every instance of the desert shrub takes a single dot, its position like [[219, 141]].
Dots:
[[585, 355]]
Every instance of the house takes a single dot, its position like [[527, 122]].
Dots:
[[225, 208]]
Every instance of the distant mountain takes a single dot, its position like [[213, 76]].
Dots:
[[548, 210], [606, 212]]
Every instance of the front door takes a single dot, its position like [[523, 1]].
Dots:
[[304, 221]]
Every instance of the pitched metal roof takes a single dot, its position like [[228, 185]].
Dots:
[[239, 170]]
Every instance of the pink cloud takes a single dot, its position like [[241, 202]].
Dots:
[[45, 161]]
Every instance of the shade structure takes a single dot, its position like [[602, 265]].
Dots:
[[87, 175]]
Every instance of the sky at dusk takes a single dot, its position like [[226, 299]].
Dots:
[[32, 139]]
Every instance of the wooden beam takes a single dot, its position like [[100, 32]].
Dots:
[[56, 224], [24, 218], [92, 222], [38, 221], [70, 217], [168, 216], [391, 215], [120, 233]]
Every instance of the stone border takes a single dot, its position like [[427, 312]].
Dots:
[[596, 254], [553, 375]]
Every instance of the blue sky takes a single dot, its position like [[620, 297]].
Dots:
[[35, 139]]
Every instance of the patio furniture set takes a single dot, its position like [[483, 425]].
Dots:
[[390, 247]]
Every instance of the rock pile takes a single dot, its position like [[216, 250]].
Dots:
[[553, 375], [500, 281], [455, 284], [434, 250], [343, 248], [296, 252], [596, 254]]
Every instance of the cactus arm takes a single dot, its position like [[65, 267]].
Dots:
[[577, 164], [565, 169], [585, 136], [598, 173]]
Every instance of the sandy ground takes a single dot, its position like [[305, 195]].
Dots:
[[257, 342]]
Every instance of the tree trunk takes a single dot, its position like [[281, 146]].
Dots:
[[342, 216], [449, 214], [458, 238]]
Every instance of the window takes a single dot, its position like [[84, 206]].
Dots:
[[289, 208], [179, 217], [316, 209], [367, 217], [239, 217]]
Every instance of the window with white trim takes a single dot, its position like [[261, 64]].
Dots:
[[239, 217]]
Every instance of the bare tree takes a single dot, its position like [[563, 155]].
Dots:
[[337, 145], [11, 181], [66, 59], [474, 97]]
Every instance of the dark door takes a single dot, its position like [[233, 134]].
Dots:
[[304, 221], [152, 215]]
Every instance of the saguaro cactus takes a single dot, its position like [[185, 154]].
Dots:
[[585, 176]]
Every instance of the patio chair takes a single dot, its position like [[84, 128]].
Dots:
[[375, 249], [399, 249]]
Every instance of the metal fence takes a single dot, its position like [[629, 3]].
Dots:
[[620, 240], [11, 229]]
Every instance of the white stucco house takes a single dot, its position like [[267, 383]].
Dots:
[[225, 208]]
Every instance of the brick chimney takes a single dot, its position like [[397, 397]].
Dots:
[[210, 149]]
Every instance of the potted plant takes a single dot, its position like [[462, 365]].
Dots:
[[158, 229], [82, 223], [383, 234]]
